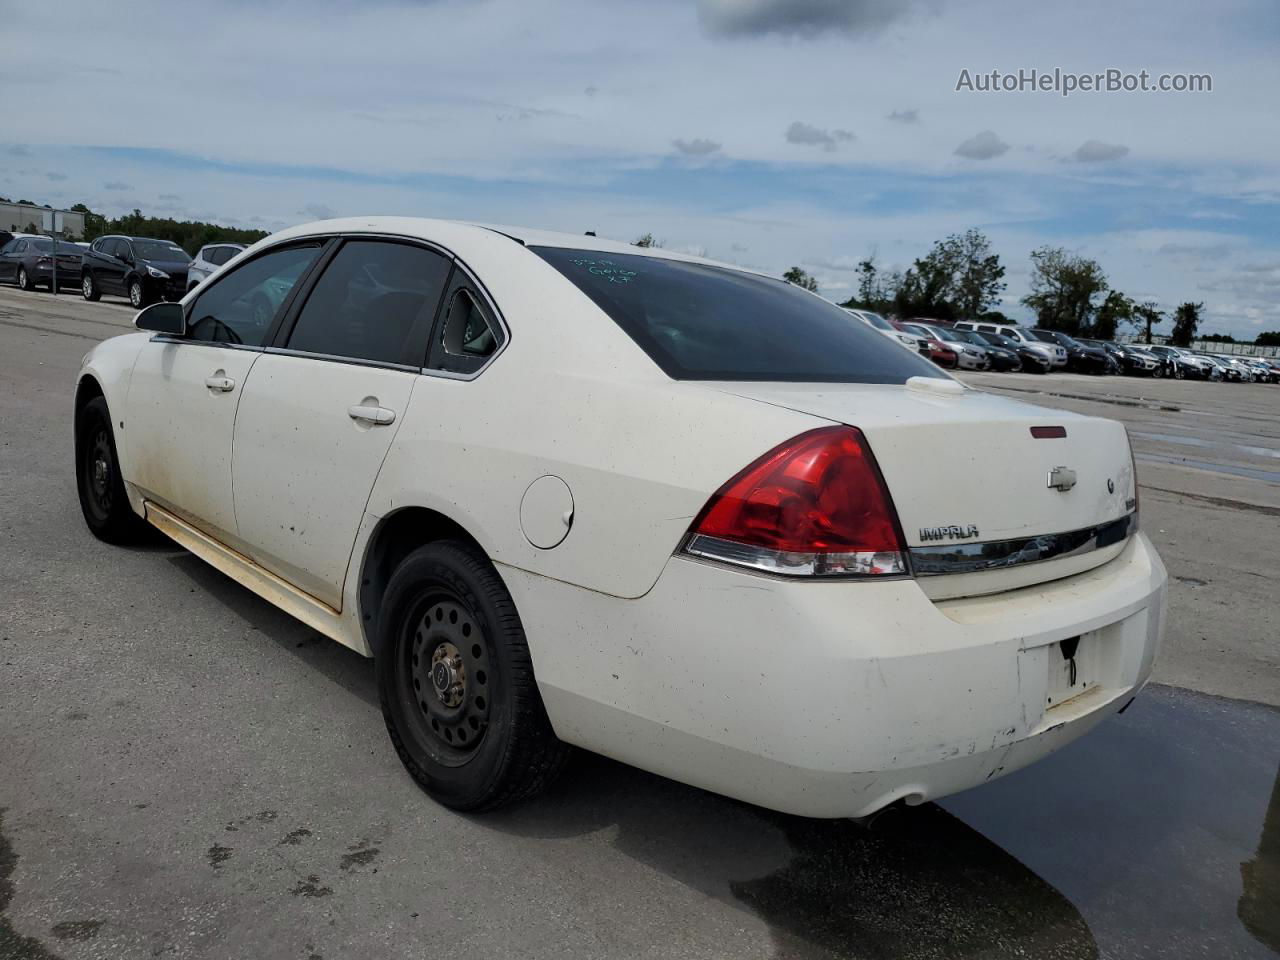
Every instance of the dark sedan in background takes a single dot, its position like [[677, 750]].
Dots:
[[1080, 357], [1033, 361], [28, 262], [140, 268]]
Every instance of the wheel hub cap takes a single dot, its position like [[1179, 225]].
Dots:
[[448, 675]]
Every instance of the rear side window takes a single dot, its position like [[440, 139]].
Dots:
[[375, 301], [701, 322], [239, 307]]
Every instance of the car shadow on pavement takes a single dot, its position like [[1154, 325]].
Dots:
[[339, 664], [918, 882]]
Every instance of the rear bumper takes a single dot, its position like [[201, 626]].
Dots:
[[834, 699]]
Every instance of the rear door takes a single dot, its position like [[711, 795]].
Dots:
[[325, 403], [185, 391], [9, 257]]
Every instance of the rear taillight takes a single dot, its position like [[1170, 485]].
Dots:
[[813, 506]]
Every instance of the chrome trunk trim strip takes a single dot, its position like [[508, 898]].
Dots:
[[952, 558]]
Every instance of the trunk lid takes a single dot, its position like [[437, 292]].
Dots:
[[964, 468]]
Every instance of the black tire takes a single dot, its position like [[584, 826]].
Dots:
[[24, 281], [89, 288], [103, 500], [456, 682]]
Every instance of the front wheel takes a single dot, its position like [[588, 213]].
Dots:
[[456, 682], [103, 500], [88, 289], [24, 281], [137, 296]]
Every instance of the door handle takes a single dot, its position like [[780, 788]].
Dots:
[[370, 414], [220, 383]]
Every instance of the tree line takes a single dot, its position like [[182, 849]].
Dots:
[[191, 235], [961, 278]]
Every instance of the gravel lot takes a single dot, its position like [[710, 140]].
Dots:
[[186, 772]]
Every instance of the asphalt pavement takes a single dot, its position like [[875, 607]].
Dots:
[[187, 772]]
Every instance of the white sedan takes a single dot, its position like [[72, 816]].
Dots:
[[570, 492]]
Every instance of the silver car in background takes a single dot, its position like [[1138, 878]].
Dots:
[[210, 258]]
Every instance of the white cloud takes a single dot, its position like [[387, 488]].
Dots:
[[806, 134], [982, 146], [1095, 151], [697, 147]]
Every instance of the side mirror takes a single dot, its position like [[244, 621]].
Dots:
[[163, 318]]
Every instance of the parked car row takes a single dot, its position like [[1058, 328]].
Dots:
[[1006, 347], [143, 269]]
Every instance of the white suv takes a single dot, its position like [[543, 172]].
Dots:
[[209, 260]]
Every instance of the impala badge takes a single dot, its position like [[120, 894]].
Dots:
[[954, 531], [1062, 479]]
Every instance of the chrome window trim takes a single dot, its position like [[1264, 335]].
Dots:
[[958, 558], [337, 358], [188, 341]]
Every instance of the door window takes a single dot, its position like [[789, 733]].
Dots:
[[375, 301], [240, 307]]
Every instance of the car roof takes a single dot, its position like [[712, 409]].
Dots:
[[449, 232]]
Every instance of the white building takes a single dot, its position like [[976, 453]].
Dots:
[[22, 217]]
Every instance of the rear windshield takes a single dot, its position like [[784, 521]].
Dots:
[[699, 322]]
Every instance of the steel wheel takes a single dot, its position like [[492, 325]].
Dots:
[[103, 499], [449, 668], [456, 683], [99, 469]]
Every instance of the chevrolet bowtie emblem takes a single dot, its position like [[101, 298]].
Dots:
[[1062, 478]]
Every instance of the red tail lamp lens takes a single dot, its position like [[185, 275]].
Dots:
[[816, 505]]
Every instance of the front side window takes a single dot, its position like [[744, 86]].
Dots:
[[239, 308], [703, 322], [375, 301]]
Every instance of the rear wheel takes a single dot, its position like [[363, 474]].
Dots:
[[88, 289], [103, 500], [456, 682]]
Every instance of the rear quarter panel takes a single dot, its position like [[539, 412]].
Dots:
[[572, 396]]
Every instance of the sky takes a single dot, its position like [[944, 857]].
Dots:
[[768, 133]]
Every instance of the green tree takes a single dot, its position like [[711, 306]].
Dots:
[[1145, 316], [1115, 310], [1219, 338], [958, 277], [1063, 289], [801, 279], [1269, 338], [1185, 320], [876, 289], [979, 275]]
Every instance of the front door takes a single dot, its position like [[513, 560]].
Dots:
[[319, 415], [185, 392]]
